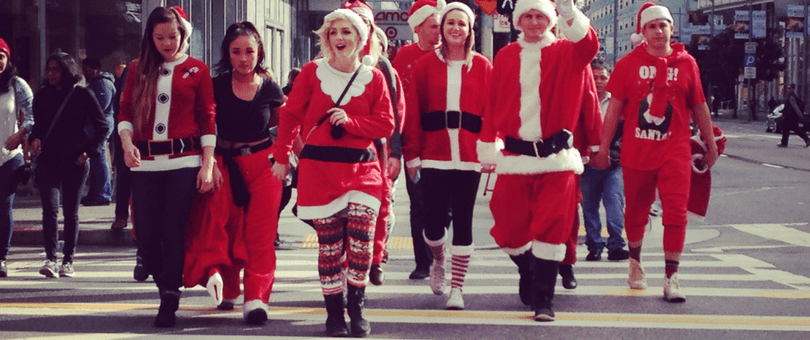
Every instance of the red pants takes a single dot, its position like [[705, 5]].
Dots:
[[381, 229], [573, 239], [224, 237], [672, 181], [533, 207]]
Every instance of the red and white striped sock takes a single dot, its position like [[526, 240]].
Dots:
[[460, 259]]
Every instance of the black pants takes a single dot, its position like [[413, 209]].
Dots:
[[161, 203], [122, 180], [421, 254], [70, 178], [790, 124], [447, 191]]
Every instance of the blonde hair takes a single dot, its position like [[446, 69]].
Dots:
[[468, 44], [323, 36]]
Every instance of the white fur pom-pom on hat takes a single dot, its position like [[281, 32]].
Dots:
[[368, 60]]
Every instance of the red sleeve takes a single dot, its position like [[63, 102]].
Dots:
[[590, 118], [292, 113], [617, 82], [204, 105], [380, 124], [696, 95], [125, 110], [412, 129]]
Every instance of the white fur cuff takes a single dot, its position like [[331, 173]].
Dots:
[[487, 152], [548, 251], [518, 251], [578, 29]]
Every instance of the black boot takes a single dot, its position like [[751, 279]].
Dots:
[[335, 321], [567, 274], [545, 278], [356, 299], [524, 263], [169, 303]]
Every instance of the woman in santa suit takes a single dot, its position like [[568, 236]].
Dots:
[[342, 106], [167, 131], [444, 109]]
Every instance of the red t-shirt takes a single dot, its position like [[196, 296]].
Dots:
[[647, 142]]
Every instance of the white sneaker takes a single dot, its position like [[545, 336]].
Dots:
[[66, 270], [48, 269], [3, 268], [437, 278], [636, 279], [456, 300], [255, 312], [672, 290], [214, 287]]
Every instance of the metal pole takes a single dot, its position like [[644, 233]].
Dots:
[[615, 31], [711, 36], [751, 109]]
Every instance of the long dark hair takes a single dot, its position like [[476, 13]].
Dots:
[[7, 77], [71, 72], [149, 63], [244, 28]]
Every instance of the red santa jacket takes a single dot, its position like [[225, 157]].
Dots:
[[443, 121], [184, 108], [536, 92], [405, 62], [326, 187]]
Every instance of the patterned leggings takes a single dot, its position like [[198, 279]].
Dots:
[[353, 227]]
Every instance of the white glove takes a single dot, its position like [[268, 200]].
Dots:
[[566, 9]]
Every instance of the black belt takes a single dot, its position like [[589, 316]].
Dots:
[[544, 148], [245, 150], [168, 147], [337, 154], [438, 120]]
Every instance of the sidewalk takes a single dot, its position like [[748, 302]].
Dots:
[[748, 141]]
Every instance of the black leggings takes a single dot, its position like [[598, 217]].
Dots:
[[448, 191]]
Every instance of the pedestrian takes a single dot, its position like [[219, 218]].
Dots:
[[103, 86], [340, 182], [167, 131], [657, 90], [445, 107], [231, 228], [290, 80], [62, 109], [604, 186], [535, 105], [423, 18], [793, 113], [122, 172], [15, 125], [390, 146]]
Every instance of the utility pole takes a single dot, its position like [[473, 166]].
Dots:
[[711, 36], [616, 31], [750, 38]]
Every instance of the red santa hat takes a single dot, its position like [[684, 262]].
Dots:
[[360, 7], [648, 12], [356, 21], [4, 48], [181, 14], [459, 6], [422, 10], [544, 6]]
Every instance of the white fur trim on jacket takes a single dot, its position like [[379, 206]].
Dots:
[[413, 163], [333, 81], [565, 160], [518, 251], [487, 152], [462, 250], [548, 251], [334, 207], [578, 29]]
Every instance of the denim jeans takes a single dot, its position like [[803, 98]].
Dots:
[[7, 190], [70, 178], [100, 187], [161, 202], [605, 186]]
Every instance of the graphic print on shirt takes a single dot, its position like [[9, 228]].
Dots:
[[652, 127]]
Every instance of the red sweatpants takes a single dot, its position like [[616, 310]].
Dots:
[[381, 228], [573, 239], [672, 181], [228, 238], [533, 207]]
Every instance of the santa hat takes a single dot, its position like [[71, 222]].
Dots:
[[186, 26], [459, 6], [544, 6], [649, 12], [360, 7], [4, 48], [422, 10]]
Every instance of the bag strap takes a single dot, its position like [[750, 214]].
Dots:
[[59, 113], [337, 103]]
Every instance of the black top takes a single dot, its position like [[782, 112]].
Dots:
[[68, 139], [245, 121]]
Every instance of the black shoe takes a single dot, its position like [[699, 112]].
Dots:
[[524, 262], [594, 255], [140, 273], [618, 254], [169, 303], [544, 274], [420, 273], [376, 275], [335, 321], [226, 305], [93, 202], [807, 143], [781, 145], [356, 301], [567, 274]]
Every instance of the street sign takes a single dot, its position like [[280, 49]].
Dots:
[[750, 73], [500, 23], [750, 48], [749, 60], [506, 7]]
